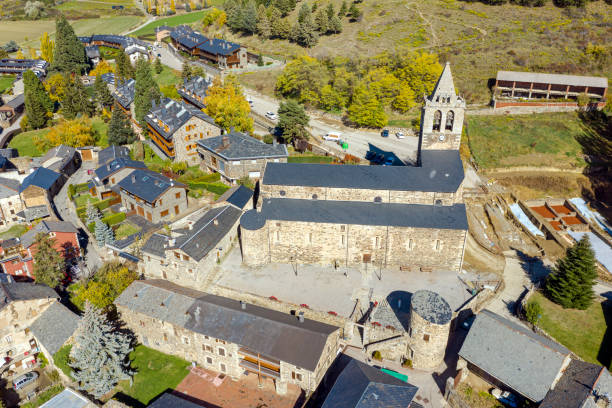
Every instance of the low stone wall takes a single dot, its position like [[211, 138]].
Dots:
[[513, 106]]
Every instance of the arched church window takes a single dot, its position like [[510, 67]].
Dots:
[[450, 119], [436, 121]]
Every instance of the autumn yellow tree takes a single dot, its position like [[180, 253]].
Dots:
[[172, 6], [76, 132], [47, 47], [33, 53], [20, 54], [103, 67], [227, 105], [55, 86]]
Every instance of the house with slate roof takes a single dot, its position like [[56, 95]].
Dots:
[[175, 127], [39, 187], [153, 196], [11, 110], [194, 90], [112, 152], [512, 358], [225, 54], [19, 66], [236, 155], [407, 217], [196, 244], [10, 201], [62, 159], [53, 328], [229, 336], [124, 96], [106, 177], [21, 304], [239, 196], [93, 54]]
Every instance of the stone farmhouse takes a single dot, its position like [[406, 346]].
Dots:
[[106, 177], [153, 196], [124, 96], [62, 159], [175, 127], [11, 110], [196, 245], [10, 201], [194, 90], [236, 155], [39, 188], [388, 216], [511, 357], [31, 321], [229, 336]]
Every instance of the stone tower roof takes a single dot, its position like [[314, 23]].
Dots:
[[444, 92]]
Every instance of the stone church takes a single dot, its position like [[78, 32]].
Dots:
[[408, 217]]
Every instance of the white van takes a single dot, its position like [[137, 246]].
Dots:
[[332, 136]]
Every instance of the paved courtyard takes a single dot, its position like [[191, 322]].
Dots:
[[205, 387], [329, 289]]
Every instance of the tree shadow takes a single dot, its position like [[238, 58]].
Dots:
[[604, 356], [534, 267]]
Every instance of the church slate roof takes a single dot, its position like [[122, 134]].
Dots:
[[442, 171], [238, 196], [265, 331], [357, 213], [240, 146]]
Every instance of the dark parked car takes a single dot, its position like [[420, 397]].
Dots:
[[385, 133]]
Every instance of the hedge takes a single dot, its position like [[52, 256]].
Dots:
[[81, 188], [100, 205], [109, 220], [217, 188]]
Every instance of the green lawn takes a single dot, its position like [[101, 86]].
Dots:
[[125, 230], [168, 77], [172, 21], [310, 159], [44, 396], [156, 372], [6, 82], [581, 331], [82, 199], [60, 359], [16, 230], [546, 139]]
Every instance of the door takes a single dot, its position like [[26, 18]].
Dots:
[[367, 258], [149, 216], [132, 206], [86, 155], [140, 211], [176, 210]]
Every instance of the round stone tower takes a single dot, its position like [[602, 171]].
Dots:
[[254, 238], [430, 318]]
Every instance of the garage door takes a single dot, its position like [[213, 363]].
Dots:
[[254, 174]]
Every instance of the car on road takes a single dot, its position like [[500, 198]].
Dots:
[[271, 115], [332, 136], [25, 379], [400, 135], [158, 55], [505, 397], [389, 161], [384, 133]]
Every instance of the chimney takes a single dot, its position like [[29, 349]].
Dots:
[[242, 304], [225, 141], [190, 224], [108, 167], [301, 317], [133, 179], [216, 221]]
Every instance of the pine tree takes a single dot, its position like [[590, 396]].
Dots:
[[109, 236], [330, 11], [69, 55], [186, 71], [343, 9], [92, 213], [99, 357], [304, 13], [292, 121], [571, 282], [158, 66], [335, 25], [120, 130], [76, 100], [263, 24], [125, 70], [146, 91], [100, 233], [46, 47], [322, 21], [49, 265], [103, 95], [38, 105], [354, 12], [304, 33], [249, 18]]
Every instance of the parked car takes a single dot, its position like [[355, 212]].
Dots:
[[505, 397], [384, 133], [332, 136], [389, 161], [271, 116], [25, 379], [400, 135]]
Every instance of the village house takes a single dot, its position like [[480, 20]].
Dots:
[[229, 336], [191, 251], [62, 159], [19, 66], [10, 201], [153, 196], [22, 304], [39, 187], [194, 90], [136, 52], [124, 96], [112, 152], [11, 110], [175, 127], [54, 328], [236, 155], [107, 176], [412, 218], [18, 254], [93, 54]]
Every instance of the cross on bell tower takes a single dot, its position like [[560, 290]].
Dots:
[[442, 116]]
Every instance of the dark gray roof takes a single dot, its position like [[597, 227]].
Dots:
[[124, 93], [431, 307], [8, 187], [147, 184], [45, 227], [34, 213], [238, 196], [16, 101], [9, 153], [17, 291], [58, 158], [194, 90], [10, 243], [55, 326], [218, 46], [574, 387], [573, 80], [362, 386], [514, 355], [173, 114], [207, 231], [41, 177], [238, 146], [357, 213], [112, 152], [170, 400], [22, 65], [6, 278], [185, 36], [92, 51], [114, 165], [68, 399], [268, 332], [155, 245], [442, 171]]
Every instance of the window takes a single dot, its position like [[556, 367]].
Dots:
[[177, 195], [342, 228], [222, 367], [437, 119], [253, 161], [310, 237], [177, 255], [161, 201], [377, 242], [12, 212], [142, 324], [438, 202], [206, 337], [163, 213], [410, 244], [9, 339], [176, 209], [296, 376], [426, 337], [220, 341], [185, 257], [185, 340], [438, 245], [314, 196], [206, 347], [342, 241], [221, 351], [378, 199], [236, 162], [275, 160], [410, 332], [209, 360], [282, 193], [450, 120], [165, 337], [277, 236], [113, 180]]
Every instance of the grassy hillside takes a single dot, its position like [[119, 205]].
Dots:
[[172, 21], [477, 39]]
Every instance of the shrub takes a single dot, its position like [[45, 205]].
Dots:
[[61, 359], [114, 219], [268, 139], [407, 363], [533, 312], [81, 188], [71, 191], [376, 355], [216, 188]]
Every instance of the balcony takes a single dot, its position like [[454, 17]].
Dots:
[[254, 356], [254, 368]]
